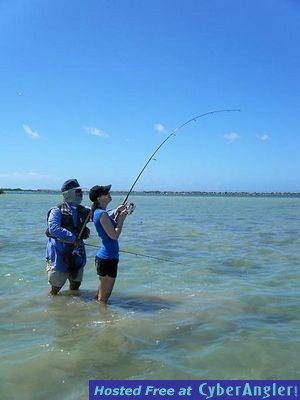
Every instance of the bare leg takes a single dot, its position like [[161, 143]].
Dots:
[[75, 279], [74, 285], [54, 290], [106, 285]]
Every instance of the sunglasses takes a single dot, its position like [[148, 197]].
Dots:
[[78, 191]]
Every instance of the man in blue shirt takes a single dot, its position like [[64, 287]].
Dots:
[[65, 250]]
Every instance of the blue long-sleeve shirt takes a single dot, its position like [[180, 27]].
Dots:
[[56, 244]]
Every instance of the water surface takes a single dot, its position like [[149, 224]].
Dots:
[[226, 308]]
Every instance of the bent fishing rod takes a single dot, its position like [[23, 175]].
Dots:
[[165, 140], [153, 154]]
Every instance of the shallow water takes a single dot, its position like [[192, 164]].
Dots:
[[226, 308]]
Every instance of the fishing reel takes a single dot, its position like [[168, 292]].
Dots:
[[130, 208]]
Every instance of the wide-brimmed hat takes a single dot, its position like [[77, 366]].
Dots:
[[97, 190]]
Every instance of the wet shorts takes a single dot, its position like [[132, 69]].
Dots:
[[107, 267], [58, 278]]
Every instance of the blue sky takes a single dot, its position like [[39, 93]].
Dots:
[[89, 89]]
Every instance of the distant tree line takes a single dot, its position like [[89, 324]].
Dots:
[[3, 190], [174, 193]]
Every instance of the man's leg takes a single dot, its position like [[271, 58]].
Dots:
[[75, 282], [56, 279], [54, 290]]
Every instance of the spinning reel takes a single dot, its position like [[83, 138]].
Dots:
[[130, 208]]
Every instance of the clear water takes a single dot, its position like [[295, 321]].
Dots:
[[227, 308]]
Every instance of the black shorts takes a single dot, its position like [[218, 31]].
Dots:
[[106, 267]]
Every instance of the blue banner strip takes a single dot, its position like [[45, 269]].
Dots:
[[194, 389]]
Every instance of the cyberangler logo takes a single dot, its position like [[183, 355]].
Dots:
[[254, 390]]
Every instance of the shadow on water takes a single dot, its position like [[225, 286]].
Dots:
[[143, 303], [135, 303]]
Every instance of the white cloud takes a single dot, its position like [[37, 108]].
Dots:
[[31, 132], [29, 179], [264, 137], [159, 128], [91, 130], [22, 175], [232, 136]]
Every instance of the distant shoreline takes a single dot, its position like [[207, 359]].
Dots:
[[168, 193]]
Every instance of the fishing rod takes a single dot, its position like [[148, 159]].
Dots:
[[165, 140], [131, 206], [144, 255]]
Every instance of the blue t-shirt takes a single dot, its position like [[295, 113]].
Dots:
[[109, 248]]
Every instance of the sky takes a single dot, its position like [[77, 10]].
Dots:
[[89, 89]]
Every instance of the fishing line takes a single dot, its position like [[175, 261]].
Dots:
[[153, 154], [145, 256]]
